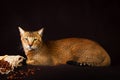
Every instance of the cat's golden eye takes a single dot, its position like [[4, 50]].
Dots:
[[26, 38], [35, 39]]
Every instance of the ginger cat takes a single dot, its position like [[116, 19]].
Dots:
[[82, 51]]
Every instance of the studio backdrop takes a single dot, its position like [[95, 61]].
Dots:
[[97, 20]]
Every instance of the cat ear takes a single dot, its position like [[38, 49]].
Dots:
[[40, 32], [21, 30]]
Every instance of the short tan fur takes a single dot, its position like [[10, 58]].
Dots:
[[83, 51]]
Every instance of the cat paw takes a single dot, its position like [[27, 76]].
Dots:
[[85, 64], [30, 62]]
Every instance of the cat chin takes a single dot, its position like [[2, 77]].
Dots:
[[29, 48]]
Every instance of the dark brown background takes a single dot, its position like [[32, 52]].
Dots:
[[94, 19]]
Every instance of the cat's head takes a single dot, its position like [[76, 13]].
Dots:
[[31, 40]]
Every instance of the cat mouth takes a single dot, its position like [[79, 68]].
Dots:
[[30, 49]]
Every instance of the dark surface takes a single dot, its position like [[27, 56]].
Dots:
[[98, 20], [63, 72]]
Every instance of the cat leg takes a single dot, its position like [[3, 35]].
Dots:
[[30, 62]]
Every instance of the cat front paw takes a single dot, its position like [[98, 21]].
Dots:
[[31, 62]]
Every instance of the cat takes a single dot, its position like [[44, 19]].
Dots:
[[51, 53]]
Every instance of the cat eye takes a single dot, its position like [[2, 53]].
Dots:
[[35, 39], [26, 38]]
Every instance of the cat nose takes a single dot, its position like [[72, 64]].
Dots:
[[30, 45]]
